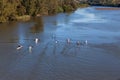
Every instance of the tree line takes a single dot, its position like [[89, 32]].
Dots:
[[104, 2], [10, 10]]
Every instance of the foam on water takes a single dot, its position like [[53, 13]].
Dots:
[[87, 16]]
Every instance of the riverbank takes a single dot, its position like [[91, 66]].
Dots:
[[24, 17], [67, 8], [15, 10], [108, 8]]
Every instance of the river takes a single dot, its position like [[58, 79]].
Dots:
[[96, 57]]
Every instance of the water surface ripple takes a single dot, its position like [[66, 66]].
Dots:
[[52, 58]]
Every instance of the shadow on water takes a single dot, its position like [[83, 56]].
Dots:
[[41, 57], [70, 50], [55, 49], [65, 48], [25, 64]]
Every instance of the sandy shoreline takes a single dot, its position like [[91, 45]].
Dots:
[[113, 8]]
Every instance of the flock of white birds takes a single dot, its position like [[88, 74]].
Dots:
[[36, 40]]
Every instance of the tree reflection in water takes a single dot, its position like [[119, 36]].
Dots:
[[38, 27]]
